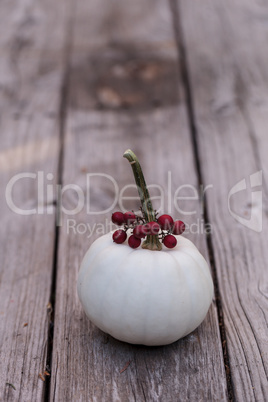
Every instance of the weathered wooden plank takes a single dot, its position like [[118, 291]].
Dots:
[[32, 48], [124, 60], [227, 67]]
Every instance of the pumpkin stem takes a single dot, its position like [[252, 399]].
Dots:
[[151, 242]]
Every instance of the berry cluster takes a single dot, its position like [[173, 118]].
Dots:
[[164, 227]]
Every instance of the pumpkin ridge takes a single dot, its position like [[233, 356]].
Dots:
[[205, 272], [94, 249], [202, 282], [92, 263], [145, 310], [178, 264], [121, 265]]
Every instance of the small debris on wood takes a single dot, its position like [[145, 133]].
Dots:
[[40, 375], [25, 325], [43, 375], [126, 366], [150, 71], [109, 97], [138, 69], [49, 308], [11, 385]]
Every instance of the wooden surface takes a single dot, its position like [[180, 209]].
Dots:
[[31, 71], [184, 85], [229, 142]]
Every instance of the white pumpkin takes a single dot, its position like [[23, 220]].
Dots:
[[145, 296]]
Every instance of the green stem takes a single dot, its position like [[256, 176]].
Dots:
[[152, 242]]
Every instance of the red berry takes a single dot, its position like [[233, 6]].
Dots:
[[119, 236], [152, 228], [165, 221], [170, 241], [118, 218], [178, 228], [129, 217], [133, 241], [139, 231]]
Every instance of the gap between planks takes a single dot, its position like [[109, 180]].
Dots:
[[63, 102]]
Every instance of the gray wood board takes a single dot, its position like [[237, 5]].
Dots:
[[134, 43], [31, 71], [227, 68]]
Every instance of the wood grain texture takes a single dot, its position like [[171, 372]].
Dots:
[[32, 42], [227, 68], [134, 40]]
